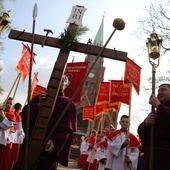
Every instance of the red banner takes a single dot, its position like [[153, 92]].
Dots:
[[88, 113], [115, 106], [104, 107], [132, 74], [75, 72], [38, 90], [34, 84], [119, 92], [23, 65], [103, 92]]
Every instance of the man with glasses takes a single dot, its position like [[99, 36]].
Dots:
[[160, 119]]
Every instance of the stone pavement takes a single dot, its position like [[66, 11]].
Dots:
[[72, 165]]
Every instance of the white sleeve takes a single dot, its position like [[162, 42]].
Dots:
[[134, 155], [5, 124]]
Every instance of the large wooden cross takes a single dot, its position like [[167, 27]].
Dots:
[[47, 106]]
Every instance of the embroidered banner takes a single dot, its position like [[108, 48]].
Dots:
[[75, 73], [103, 92], [119, 92], [88, 113], [132, 74]]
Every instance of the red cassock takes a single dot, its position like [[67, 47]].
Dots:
[[6, 152]]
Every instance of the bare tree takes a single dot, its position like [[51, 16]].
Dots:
[[157, 20]]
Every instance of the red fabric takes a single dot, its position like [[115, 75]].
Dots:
[[34, 84], [132, 74], [38, 90], [103, 92], [104, 144], [88, 113], [82, 159], [2, 151], [10, 115], [17, 117], [7, 155], [119, 92], [84, 162], [92, 141], [23, 65], [134, 142], [75, 72], [94, 165], [14, 155]]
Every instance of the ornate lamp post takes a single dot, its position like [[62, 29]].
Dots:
[[154, 44], [4, 23]]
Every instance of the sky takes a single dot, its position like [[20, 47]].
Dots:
[[53, 15]]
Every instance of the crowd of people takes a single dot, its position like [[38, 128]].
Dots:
[[108, 149]]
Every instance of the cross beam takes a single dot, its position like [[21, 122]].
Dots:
[[79, 47]]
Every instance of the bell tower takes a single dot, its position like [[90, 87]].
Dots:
[[96, 75], [91, 84]]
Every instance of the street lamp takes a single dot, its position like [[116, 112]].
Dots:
[[154, 45], [4, 23]]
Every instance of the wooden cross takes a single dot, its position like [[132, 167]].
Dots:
[[47, 107]]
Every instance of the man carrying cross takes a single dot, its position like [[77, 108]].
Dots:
[[58, 147]]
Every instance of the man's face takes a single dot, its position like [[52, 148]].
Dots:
[[124, 123], [164, 94], [9, 105], [107, 129]]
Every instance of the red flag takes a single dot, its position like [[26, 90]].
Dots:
[[23, 65], [119, 92], [33, 85], [115, 106], [38, 90], [75, 72], [132, 74], [88, 113], [103, 92]]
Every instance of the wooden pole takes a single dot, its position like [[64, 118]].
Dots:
[[151, 156], [18, 77], [130, 104], [17, 86], [93, 150]]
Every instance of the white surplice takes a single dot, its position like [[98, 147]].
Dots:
[[116, 161]]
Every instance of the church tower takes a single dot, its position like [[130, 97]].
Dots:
[[97, 74], [92, 82]]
